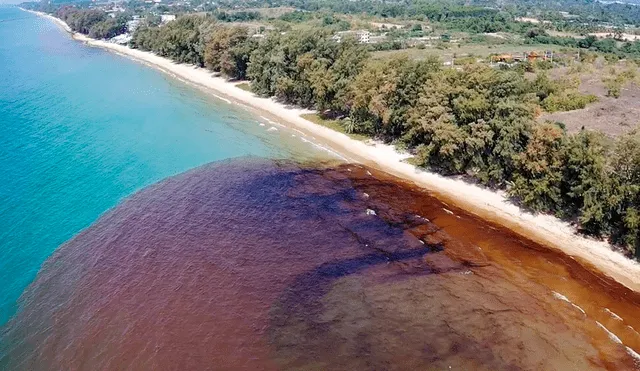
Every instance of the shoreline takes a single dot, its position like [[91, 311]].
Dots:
[[487, 204]]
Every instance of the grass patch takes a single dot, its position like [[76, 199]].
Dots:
[[567, 101], [332, 124], [244, 86]]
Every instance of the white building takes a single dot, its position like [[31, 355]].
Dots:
[[133, 25], [362, 36], [166, 18]]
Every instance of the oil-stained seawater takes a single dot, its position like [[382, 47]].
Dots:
[[259, 265]]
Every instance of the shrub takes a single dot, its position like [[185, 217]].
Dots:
[[567, 101], [614, 87]]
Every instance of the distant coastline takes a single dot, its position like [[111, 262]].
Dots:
[[488, 204], [55, 20]]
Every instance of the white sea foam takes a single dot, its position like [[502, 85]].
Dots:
[[559, 296], [272, 129], [299, 132], [616, 339], [612, 336], [635, 355], [336, 154], [272, 122], [580, 309], [222, 98], [613, 314]]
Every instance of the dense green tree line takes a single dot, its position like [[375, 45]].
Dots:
[[475, 15], [181, 40], [477, 121], [92, 22], [608, 45], [584, 11], [240, 16]]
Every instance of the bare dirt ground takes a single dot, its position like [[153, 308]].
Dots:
[[611, 116]]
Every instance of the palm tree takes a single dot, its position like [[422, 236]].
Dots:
[[350, 126]]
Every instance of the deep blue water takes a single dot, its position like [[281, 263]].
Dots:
[[81, 128]]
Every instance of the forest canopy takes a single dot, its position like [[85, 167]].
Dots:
[[92, 22]]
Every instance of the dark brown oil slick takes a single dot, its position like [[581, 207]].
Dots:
[[255, 264]]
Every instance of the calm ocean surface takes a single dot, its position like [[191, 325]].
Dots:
[[81, 128]]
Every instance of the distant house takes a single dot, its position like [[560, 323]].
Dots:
[[114, 10], [536, 56], [133, 25], [526, 56], [530, 20], [166, 18], [507, 58], [362, 36], [568, 15]]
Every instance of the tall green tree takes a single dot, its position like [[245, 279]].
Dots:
[[227, 50], [538, 178]]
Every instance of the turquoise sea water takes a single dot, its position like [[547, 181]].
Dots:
[[81, 128]]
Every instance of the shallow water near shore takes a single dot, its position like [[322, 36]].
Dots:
[[261, 264]]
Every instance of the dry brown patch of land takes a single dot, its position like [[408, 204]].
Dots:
[[609, 115]]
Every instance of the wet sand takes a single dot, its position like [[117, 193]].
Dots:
[[254, 264]]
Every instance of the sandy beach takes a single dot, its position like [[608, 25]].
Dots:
[[487, 204]]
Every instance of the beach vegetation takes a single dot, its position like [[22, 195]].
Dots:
[[227, 50], [244, 86], [92, 22], [182, 40], [340, 125], [107, 29]]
